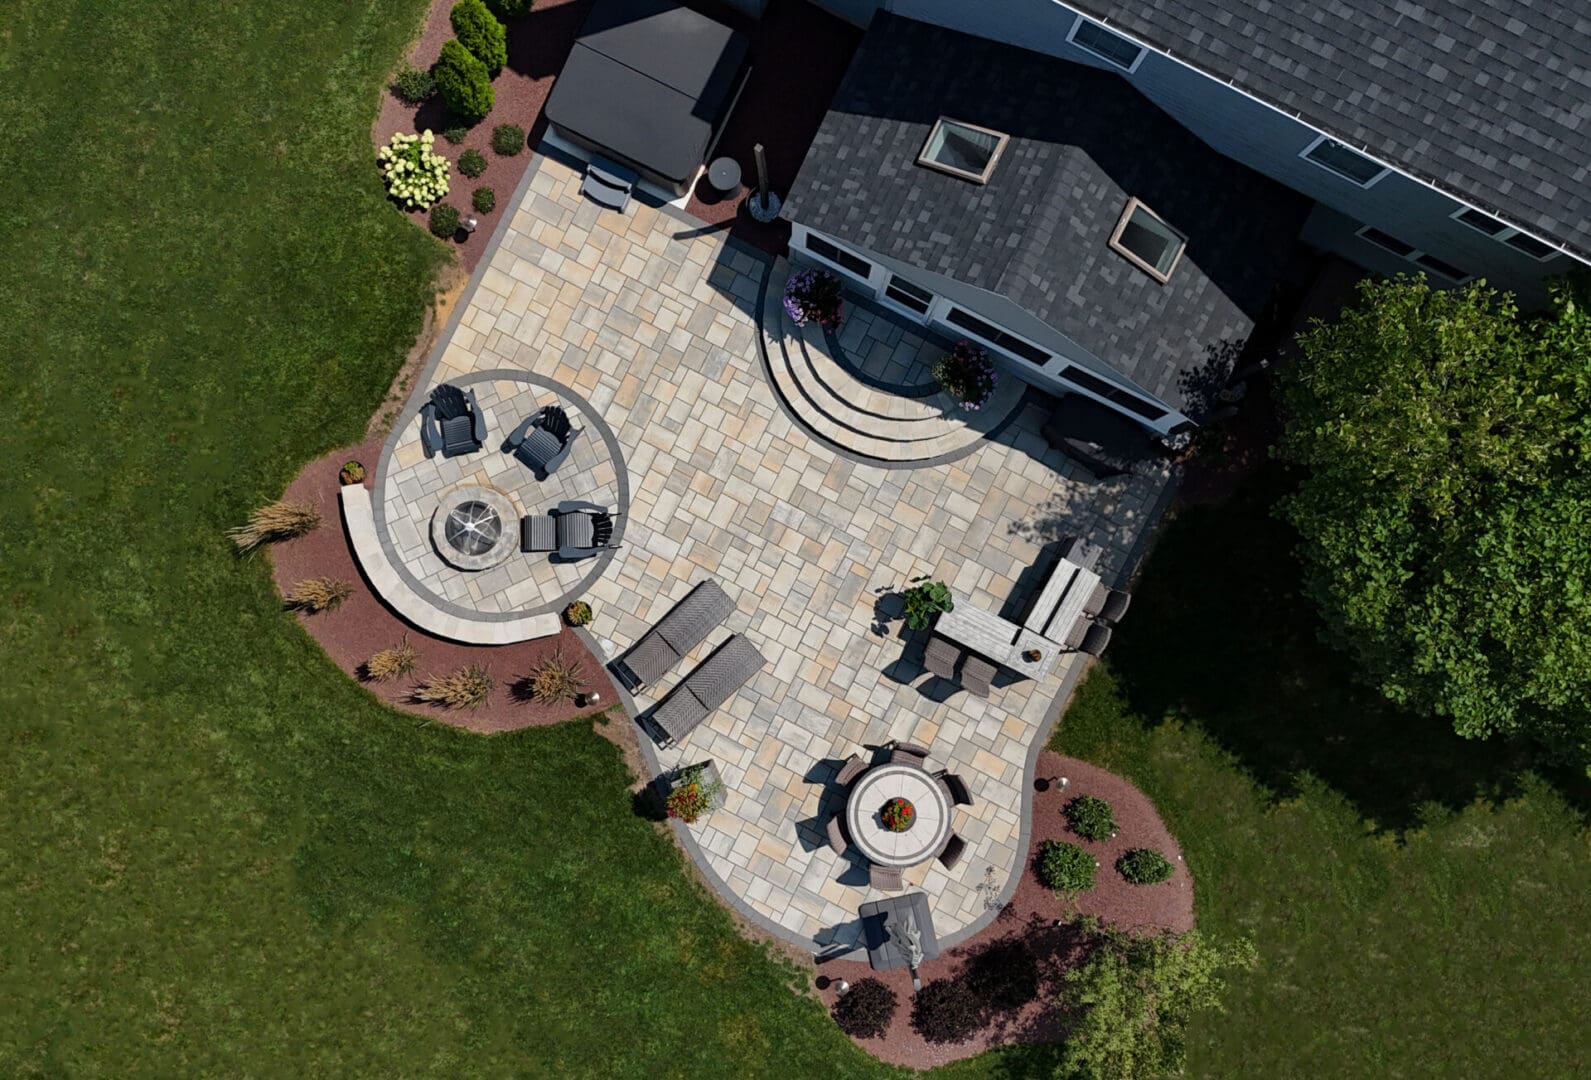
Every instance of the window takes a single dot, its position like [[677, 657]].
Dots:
[[1112, 393], [1106, 44], [1147, 242], [821, 247], [997, 337], [1409, 252], [908, 295], [1482, 222], [961, 149], [1346, 163]]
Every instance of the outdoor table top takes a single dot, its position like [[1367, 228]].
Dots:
[[876, 787], [999, 640], [1060, 604]]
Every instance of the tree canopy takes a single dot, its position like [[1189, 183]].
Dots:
[[1444, 501]]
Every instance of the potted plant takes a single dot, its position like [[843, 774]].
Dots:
[[577, 613], [813, 296], [693, 791], [967, 374], [898, 814], [925, 601], [353, 472]]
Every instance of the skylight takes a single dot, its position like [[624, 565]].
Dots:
[[962, 149], [1147, 242]]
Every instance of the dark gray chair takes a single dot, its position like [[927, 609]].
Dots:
[[941, 656], [886, 878], [854, 766], [1115, 605], [977, 675], [713, 682], [905, 753], [686, 626], [542, 440], [576, 530], [452, 422], [1096, 601], [1095, 638], [836, 833], [955, 789], [950, 854]]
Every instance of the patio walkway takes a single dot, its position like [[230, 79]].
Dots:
[[655, 324]]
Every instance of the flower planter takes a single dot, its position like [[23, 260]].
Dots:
[[704, 773]]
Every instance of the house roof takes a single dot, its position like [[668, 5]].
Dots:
[[1489, 100], [1035, 238]]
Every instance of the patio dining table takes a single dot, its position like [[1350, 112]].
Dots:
[[927, 833]]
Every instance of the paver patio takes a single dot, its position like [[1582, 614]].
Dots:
[[653, 320]]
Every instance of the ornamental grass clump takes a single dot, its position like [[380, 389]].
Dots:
[[813, 296], [467, 688], [1090, 818], [1066, 868], [967, 374], [319, 594], [416, 175], [1144, 866], [392, 663], [275, 522], [866, 1009], [556, 679]]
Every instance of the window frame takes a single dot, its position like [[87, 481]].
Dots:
[[953, 308], [1134, 204], [1504, 233], [909, 289], [1001, 141], [1414, 255], [806, 245], [1318, 140], [1084, 20]]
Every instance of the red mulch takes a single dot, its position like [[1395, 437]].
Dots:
[[1033, 914], [363, 625], [799, 54], [538, 45]]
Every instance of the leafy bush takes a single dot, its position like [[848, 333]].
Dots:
[[444, 221], [510, 9], [464, 83], [414, 85], [1144, 866], [557, 679], [274, 522], [455, 134], [483, 199], [319, 594], [813, 296], [866, 1009], [1090, 818], [925, 601], [392, 663], [472, 163], [1064, 867], [508, 139], [416, 175], [946, 1011], [579, 612], [1005, 975], [468, 687], [479, 31], [967, 374]]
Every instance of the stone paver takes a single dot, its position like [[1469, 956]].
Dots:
[[656, 325]]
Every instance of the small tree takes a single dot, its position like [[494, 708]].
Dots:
[[464, 83], [479, 31]]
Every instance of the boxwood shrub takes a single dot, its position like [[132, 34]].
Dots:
[[479, 31], [455, 134], [1090, 818], [1065, 867], [414, 85], [444, 220], [1144, 866], [483, 199], [464, 83], [508, 139], [866, 1009], [472, 163], [946, 1011]]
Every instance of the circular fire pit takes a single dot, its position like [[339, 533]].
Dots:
[[474, 527]]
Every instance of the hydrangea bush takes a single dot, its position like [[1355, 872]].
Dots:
[[967, 374], [416, 176], [813, 296]]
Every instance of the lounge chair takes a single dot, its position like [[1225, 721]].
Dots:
[[836, 833], [941, 656], [452, 422], [686, 626], [715, 681], [955, 789], [886, 878], [977, 676], [854, 766], [950, 854], [576, 530], [542, 440], [905, 753]]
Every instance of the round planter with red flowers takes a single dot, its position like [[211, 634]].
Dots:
[[898, 815]]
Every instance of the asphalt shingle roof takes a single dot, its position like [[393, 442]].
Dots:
[[1082, 143], [1487, 99]]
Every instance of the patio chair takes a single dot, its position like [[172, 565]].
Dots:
[[950, 854], [1095, 638], [941, 656], [713, 682], [1115, 605], [686, 626], [905, 753], [542, 440], [452, 422], [977, 676], [576, 530], [955, 789], [1096, 601], [886, 878], [854, 766], [836, 833]]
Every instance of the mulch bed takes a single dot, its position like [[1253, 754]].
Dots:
[[538, 45], [1038, 918], [363, 625]]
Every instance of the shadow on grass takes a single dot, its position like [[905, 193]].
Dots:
[[1220, 631]]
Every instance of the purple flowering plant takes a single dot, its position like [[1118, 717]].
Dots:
[[813, 295], [967, 374]]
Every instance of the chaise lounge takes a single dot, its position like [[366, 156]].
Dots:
[[686, 626], [576, 530], [699, 694]]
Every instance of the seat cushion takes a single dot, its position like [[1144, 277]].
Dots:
[[458, 432], [575, 530], [538, 532]]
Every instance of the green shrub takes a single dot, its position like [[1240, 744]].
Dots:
[[464, 83], [508, 139], [1144, 866], [1064, 867], [479, 31], [414, 85], [415, 174], [472, 163], [483, 199], [946, 1011], [866, 1009], [509, 9], [1090, 818], [444, 221], [1004, 976], [455, 134], [925, 601]]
